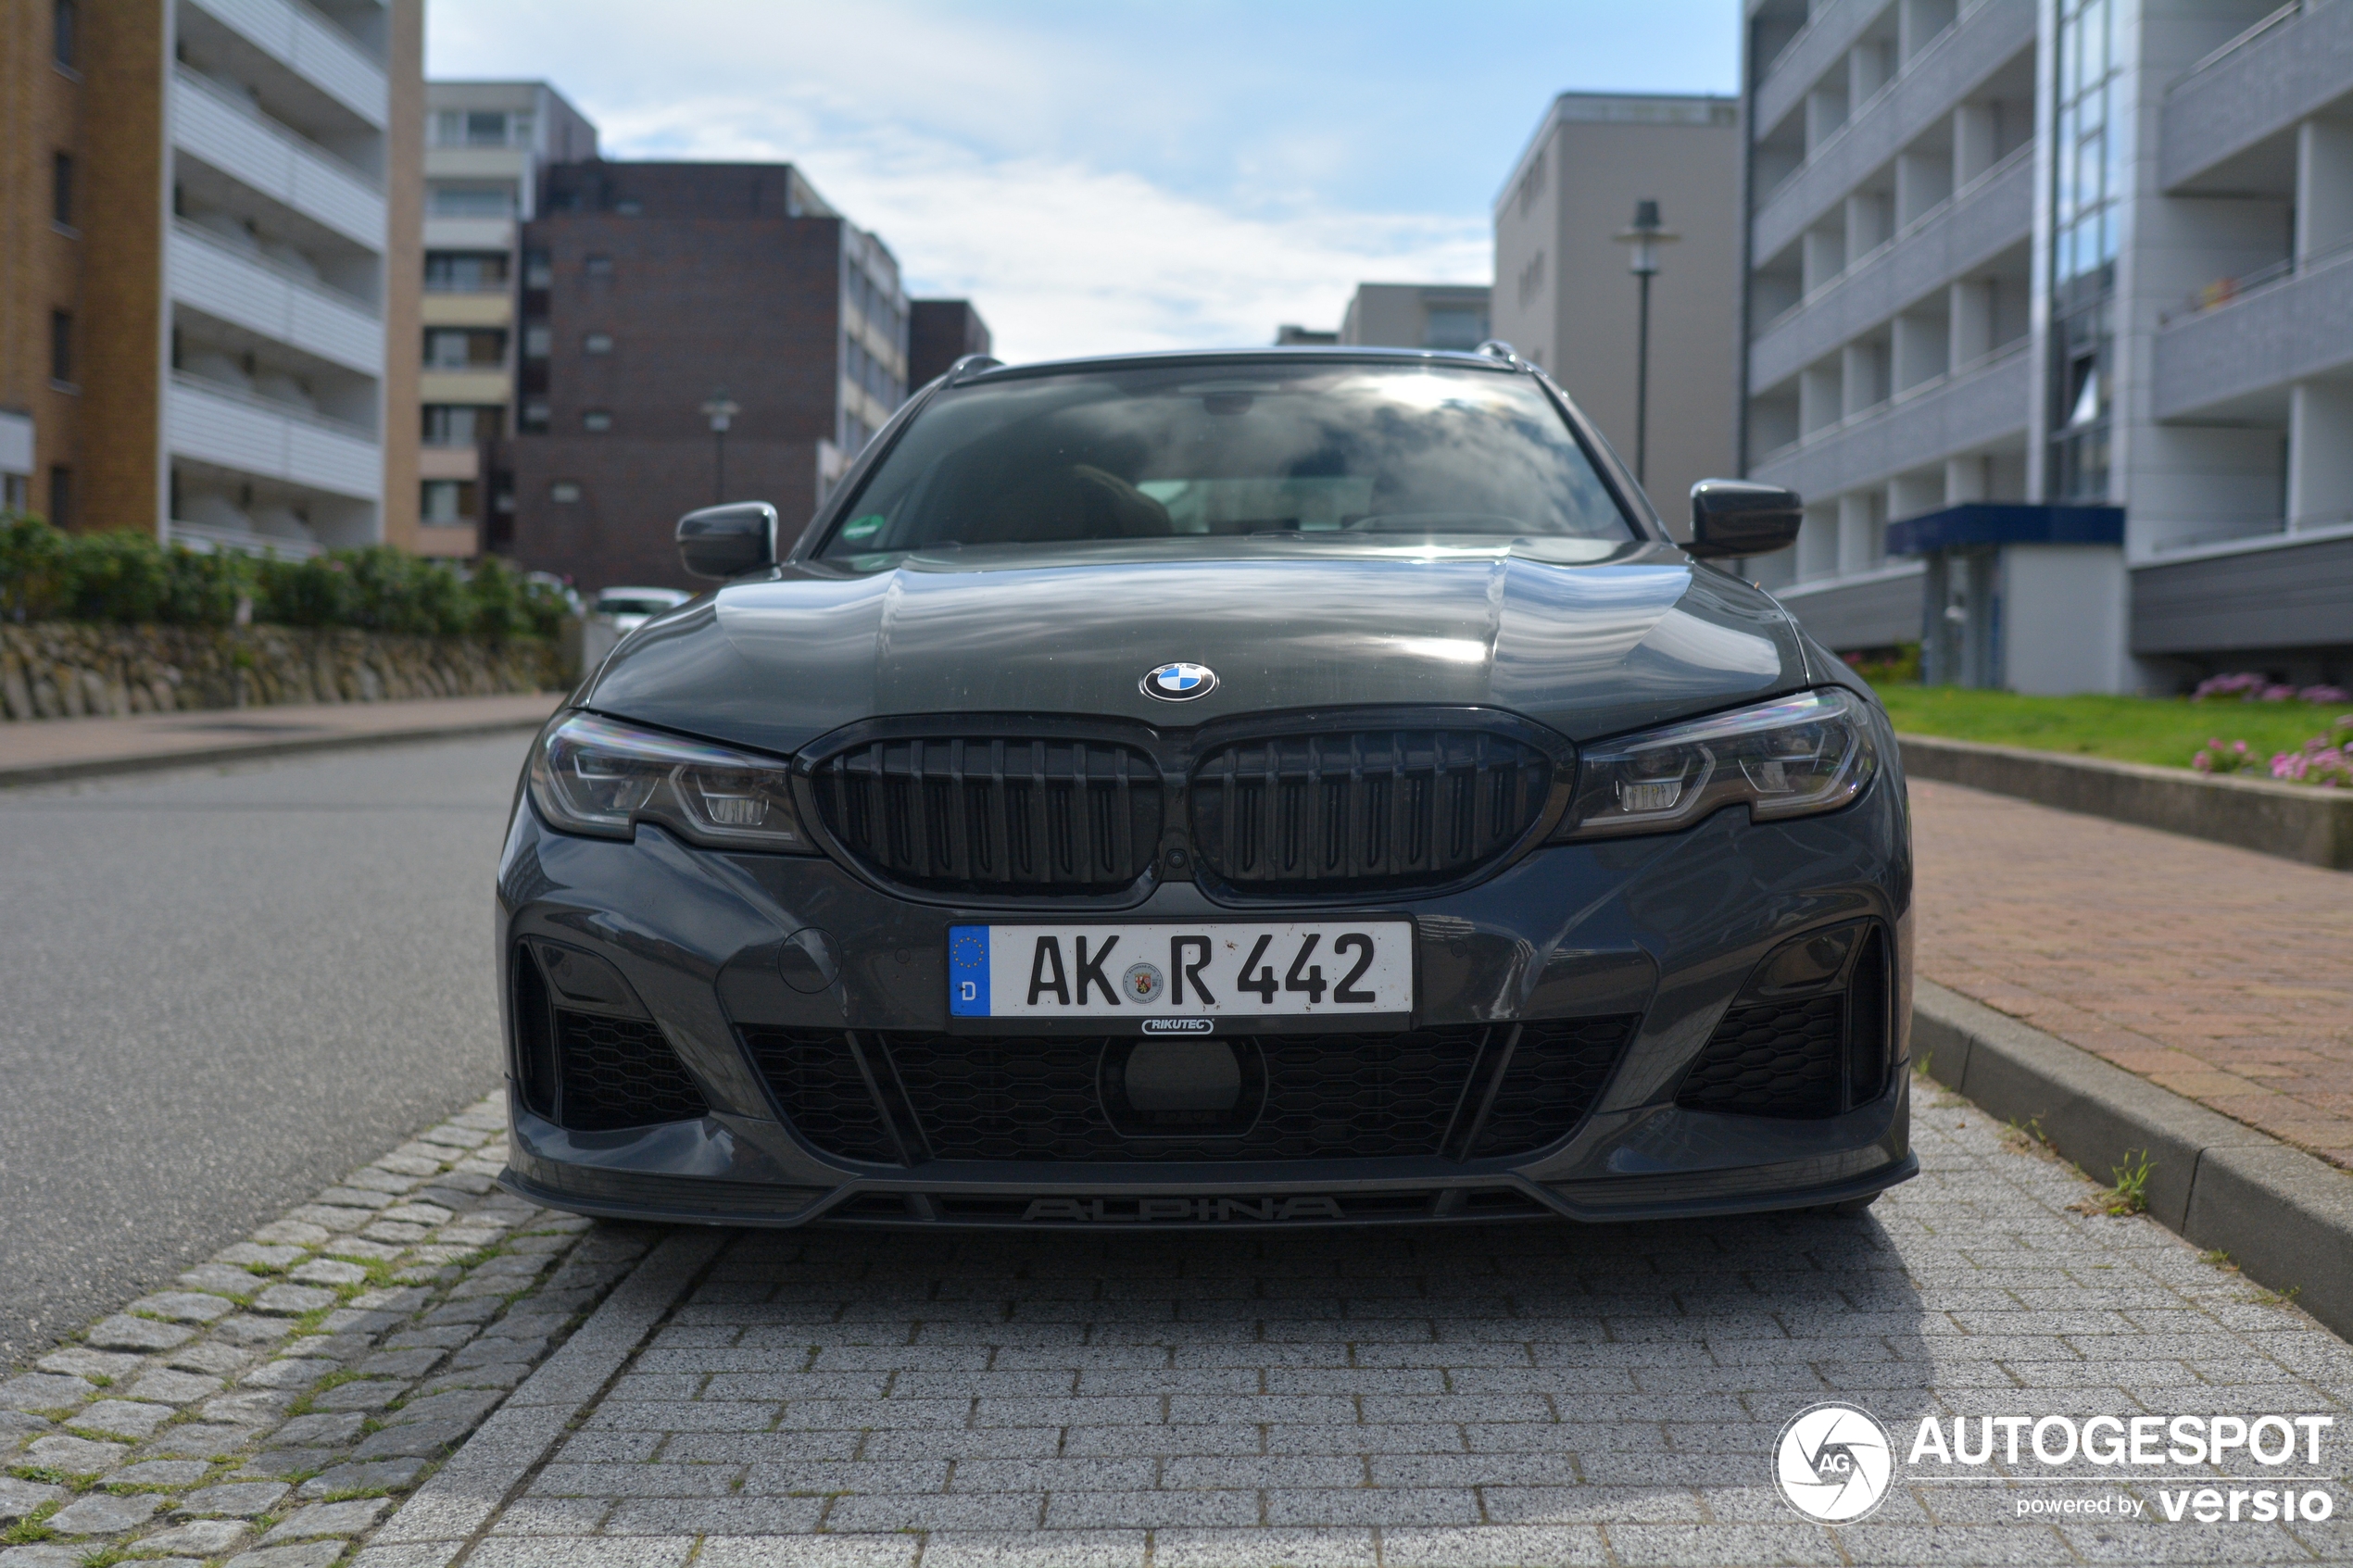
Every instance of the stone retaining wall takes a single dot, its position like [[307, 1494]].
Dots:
[[58, 670]]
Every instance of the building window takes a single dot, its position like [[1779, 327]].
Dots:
[[628, 206], [61, 189], [596, 266], [596, 419], [61, 346], [1455, 326], [460, 424], [465, 272], [563, 491], [533, 416], [471, 201], [2090, 163], [446, 501], [66, 38], [536, 273], [596, 342], [61, 496], [15, 493], [480, 128], [536, 340], [465, 349]]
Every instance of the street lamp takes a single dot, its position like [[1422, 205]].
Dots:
[[1645, 237], [720, 410]]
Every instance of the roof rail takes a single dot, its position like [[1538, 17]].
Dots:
[[971, 365]]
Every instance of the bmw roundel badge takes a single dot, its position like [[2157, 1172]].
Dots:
[[1181, 681]]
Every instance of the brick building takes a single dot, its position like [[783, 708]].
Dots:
[[648, 290], [939, 332]]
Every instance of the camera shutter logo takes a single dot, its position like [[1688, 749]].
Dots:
[[1832, 1464]]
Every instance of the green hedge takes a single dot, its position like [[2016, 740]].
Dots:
[[48, 575]]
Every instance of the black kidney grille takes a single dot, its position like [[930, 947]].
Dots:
[[995, 815], [1773, 1059], [1556, 1072], [1364, 811], [816, 1079], [619, 1073]]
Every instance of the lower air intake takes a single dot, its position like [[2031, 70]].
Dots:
[[619, 1072]]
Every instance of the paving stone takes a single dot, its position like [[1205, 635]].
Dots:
[[290, 1372], [403, 1302], [183, 1306], [44, 1390], [123, 1332], [496, 1375], [338, 1347], [326, 1220], [21, 1497], [423, 1440], [356, 1321], [17, 1425], [292, 1233], [369, 1393], [198, 1440], [390, 1474], [328, 1271], [121, 1418], [310, 1554], [45, 1555], [78, 1360], [245, 1329], [455, 1137], [329, 1519], [240, 1500], [318, 1431], [413, 1159], [281, 1465], [401, 1363], [174, 1473], [484, 1352], [464, 1407], [164, 1386], [293, 1300], [353, 1247], [417, 1213], [355, 1197], [197, 1538], [103, 1513], [261, 1254], [223, 1279], [251, 1407], [211, 1357]]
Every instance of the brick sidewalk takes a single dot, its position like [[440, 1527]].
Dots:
[[2220, 973]]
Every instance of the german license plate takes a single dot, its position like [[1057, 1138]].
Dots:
[[1179, 978]]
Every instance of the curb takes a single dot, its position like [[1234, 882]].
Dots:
[[2291, 820], [2285, 1217], [153, 761]]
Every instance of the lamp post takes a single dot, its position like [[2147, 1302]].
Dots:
[[1645, 237], [720, 410]]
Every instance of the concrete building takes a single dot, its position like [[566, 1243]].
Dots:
[[486, 143], [1564, 298], [1411, 316], [939, 332], [207, 295], [2050, 317], [652, 289]]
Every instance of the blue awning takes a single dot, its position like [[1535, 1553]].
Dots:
[[2002, 522]]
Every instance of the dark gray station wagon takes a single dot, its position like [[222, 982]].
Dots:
[[1259, 789]]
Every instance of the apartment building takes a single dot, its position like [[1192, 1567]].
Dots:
[[691, 331], [939, 332], [1565, 299], [2050, 317], [207, 293], [486, 143], [1413, 316]]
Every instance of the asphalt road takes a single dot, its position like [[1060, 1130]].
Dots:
[[222, 989]]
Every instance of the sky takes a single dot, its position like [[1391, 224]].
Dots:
[[1109, 175]]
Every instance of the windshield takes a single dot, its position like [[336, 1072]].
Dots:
[[1372, 452]]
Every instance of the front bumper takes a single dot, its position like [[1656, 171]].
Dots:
[[1662, 933]]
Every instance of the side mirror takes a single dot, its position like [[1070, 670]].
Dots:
[[1732, 517], [728, 541]]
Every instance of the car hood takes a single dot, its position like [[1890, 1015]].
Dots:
[[1588, 639]]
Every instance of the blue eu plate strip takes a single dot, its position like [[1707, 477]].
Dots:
[[968, 971]]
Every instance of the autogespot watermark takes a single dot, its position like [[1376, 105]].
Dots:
[[1834, 1463]]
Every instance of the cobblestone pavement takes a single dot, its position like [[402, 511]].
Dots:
[[2218, 973], [268, 1407], [1529, 1394]]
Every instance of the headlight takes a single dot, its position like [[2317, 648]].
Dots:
[[591, 775], [1787, 757]]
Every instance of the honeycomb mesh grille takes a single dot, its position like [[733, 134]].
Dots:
[[1774, 1058], [817, 1082], [621, 1073], [1366, 810], [1556, 1072], [994, 815]]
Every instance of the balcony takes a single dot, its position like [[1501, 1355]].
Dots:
[[2297, 328], [204, 538], [257, 153], [478, 385], [311, 47], [473, 307], [278, 303], [470, 233], [2297, 62], [1985, 404], [1985, 38], [230, 429], [1821, 46], [1987, 216]]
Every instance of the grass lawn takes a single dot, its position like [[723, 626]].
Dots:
[[2166, 730]]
